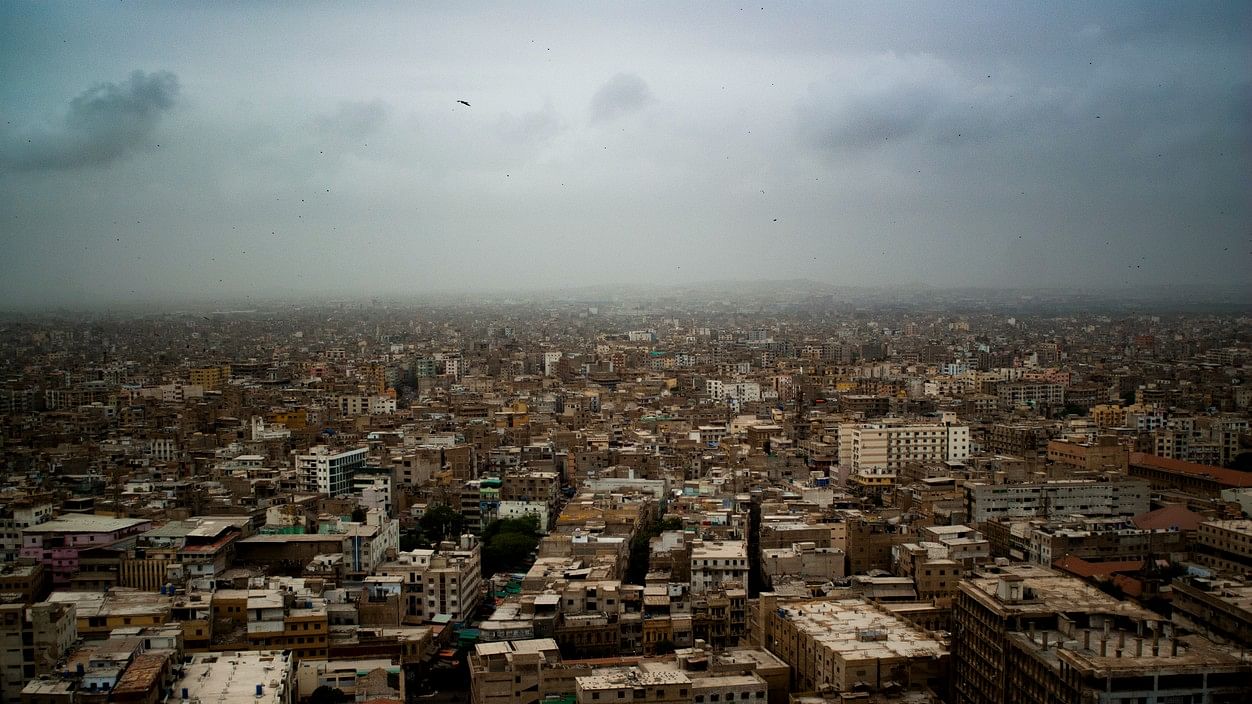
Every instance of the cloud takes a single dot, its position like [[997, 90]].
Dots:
[[531, 127], [352, 120], [622, 95], [886, 99], [104, 124]]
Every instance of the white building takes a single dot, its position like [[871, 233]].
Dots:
[[520, 509], [716, 562], [444, 582], [893, 446], [550, 360], [325, 471]]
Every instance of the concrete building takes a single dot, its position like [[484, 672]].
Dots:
[[32, 640], [1103, 540], [1029, 634], [260, 677], [57, 543], [324, 471], [892, 446], [18, 512], [1087, 497], [846, 645], [1225, 546], [1199, 479], [1221, 609], [445, 582], [717, 563], [1106, 454], [1030, 393]]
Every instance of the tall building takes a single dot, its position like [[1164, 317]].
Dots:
[[892, 446], [210, 378], [1030, 634], [32, 640], [325, 471]]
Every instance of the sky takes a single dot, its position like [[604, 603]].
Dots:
[[205, 151]]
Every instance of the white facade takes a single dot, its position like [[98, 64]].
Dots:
[[865, 445], [327, 472], [715, 562]]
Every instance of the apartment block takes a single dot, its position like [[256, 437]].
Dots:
[[849, 644], [1118, 497]]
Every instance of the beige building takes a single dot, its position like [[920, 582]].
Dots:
[[1225, 545], [842, 645], [891, 446], [32, 640]]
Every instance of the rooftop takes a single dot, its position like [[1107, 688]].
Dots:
[[85, 523], [858, 630], [233, 676]]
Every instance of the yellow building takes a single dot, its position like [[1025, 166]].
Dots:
[[1108, 415], [211, 378], [291, 419], [515, 415]]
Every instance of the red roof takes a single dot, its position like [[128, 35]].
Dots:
[[1175, 516], [1082, 568], [1221, 475]]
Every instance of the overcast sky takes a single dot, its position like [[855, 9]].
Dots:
[[213, 150]]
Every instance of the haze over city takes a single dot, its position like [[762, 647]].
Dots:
[[152, 151]]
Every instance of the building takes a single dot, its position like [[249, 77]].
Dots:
[[210, 378], [325, 471], [1106, 454], [714, 563], [1086, 497], [1103, 540], [260, 677], [1225, 546], [848, 645], [1198, 479], [1029, 634], [57, 543], [1030, 393], [446, 582], [32, 640], [1219, 608], [892, 446], [18, 512], [178, 552]]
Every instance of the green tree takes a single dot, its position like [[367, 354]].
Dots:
[[509, 550], [508, 543], [326, 695], [441, 522]]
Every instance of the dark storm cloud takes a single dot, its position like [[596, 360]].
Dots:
[[621, 95], [106, 123]]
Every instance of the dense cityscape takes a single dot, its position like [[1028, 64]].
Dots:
[[633, 352], [776, 498]]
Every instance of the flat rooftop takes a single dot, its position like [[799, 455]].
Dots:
[[234, 675], [85, 523], [858, 630]]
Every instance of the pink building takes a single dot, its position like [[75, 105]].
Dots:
[[57, 543]]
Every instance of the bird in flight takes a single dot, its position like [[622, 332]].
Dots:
[[464, 103]]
